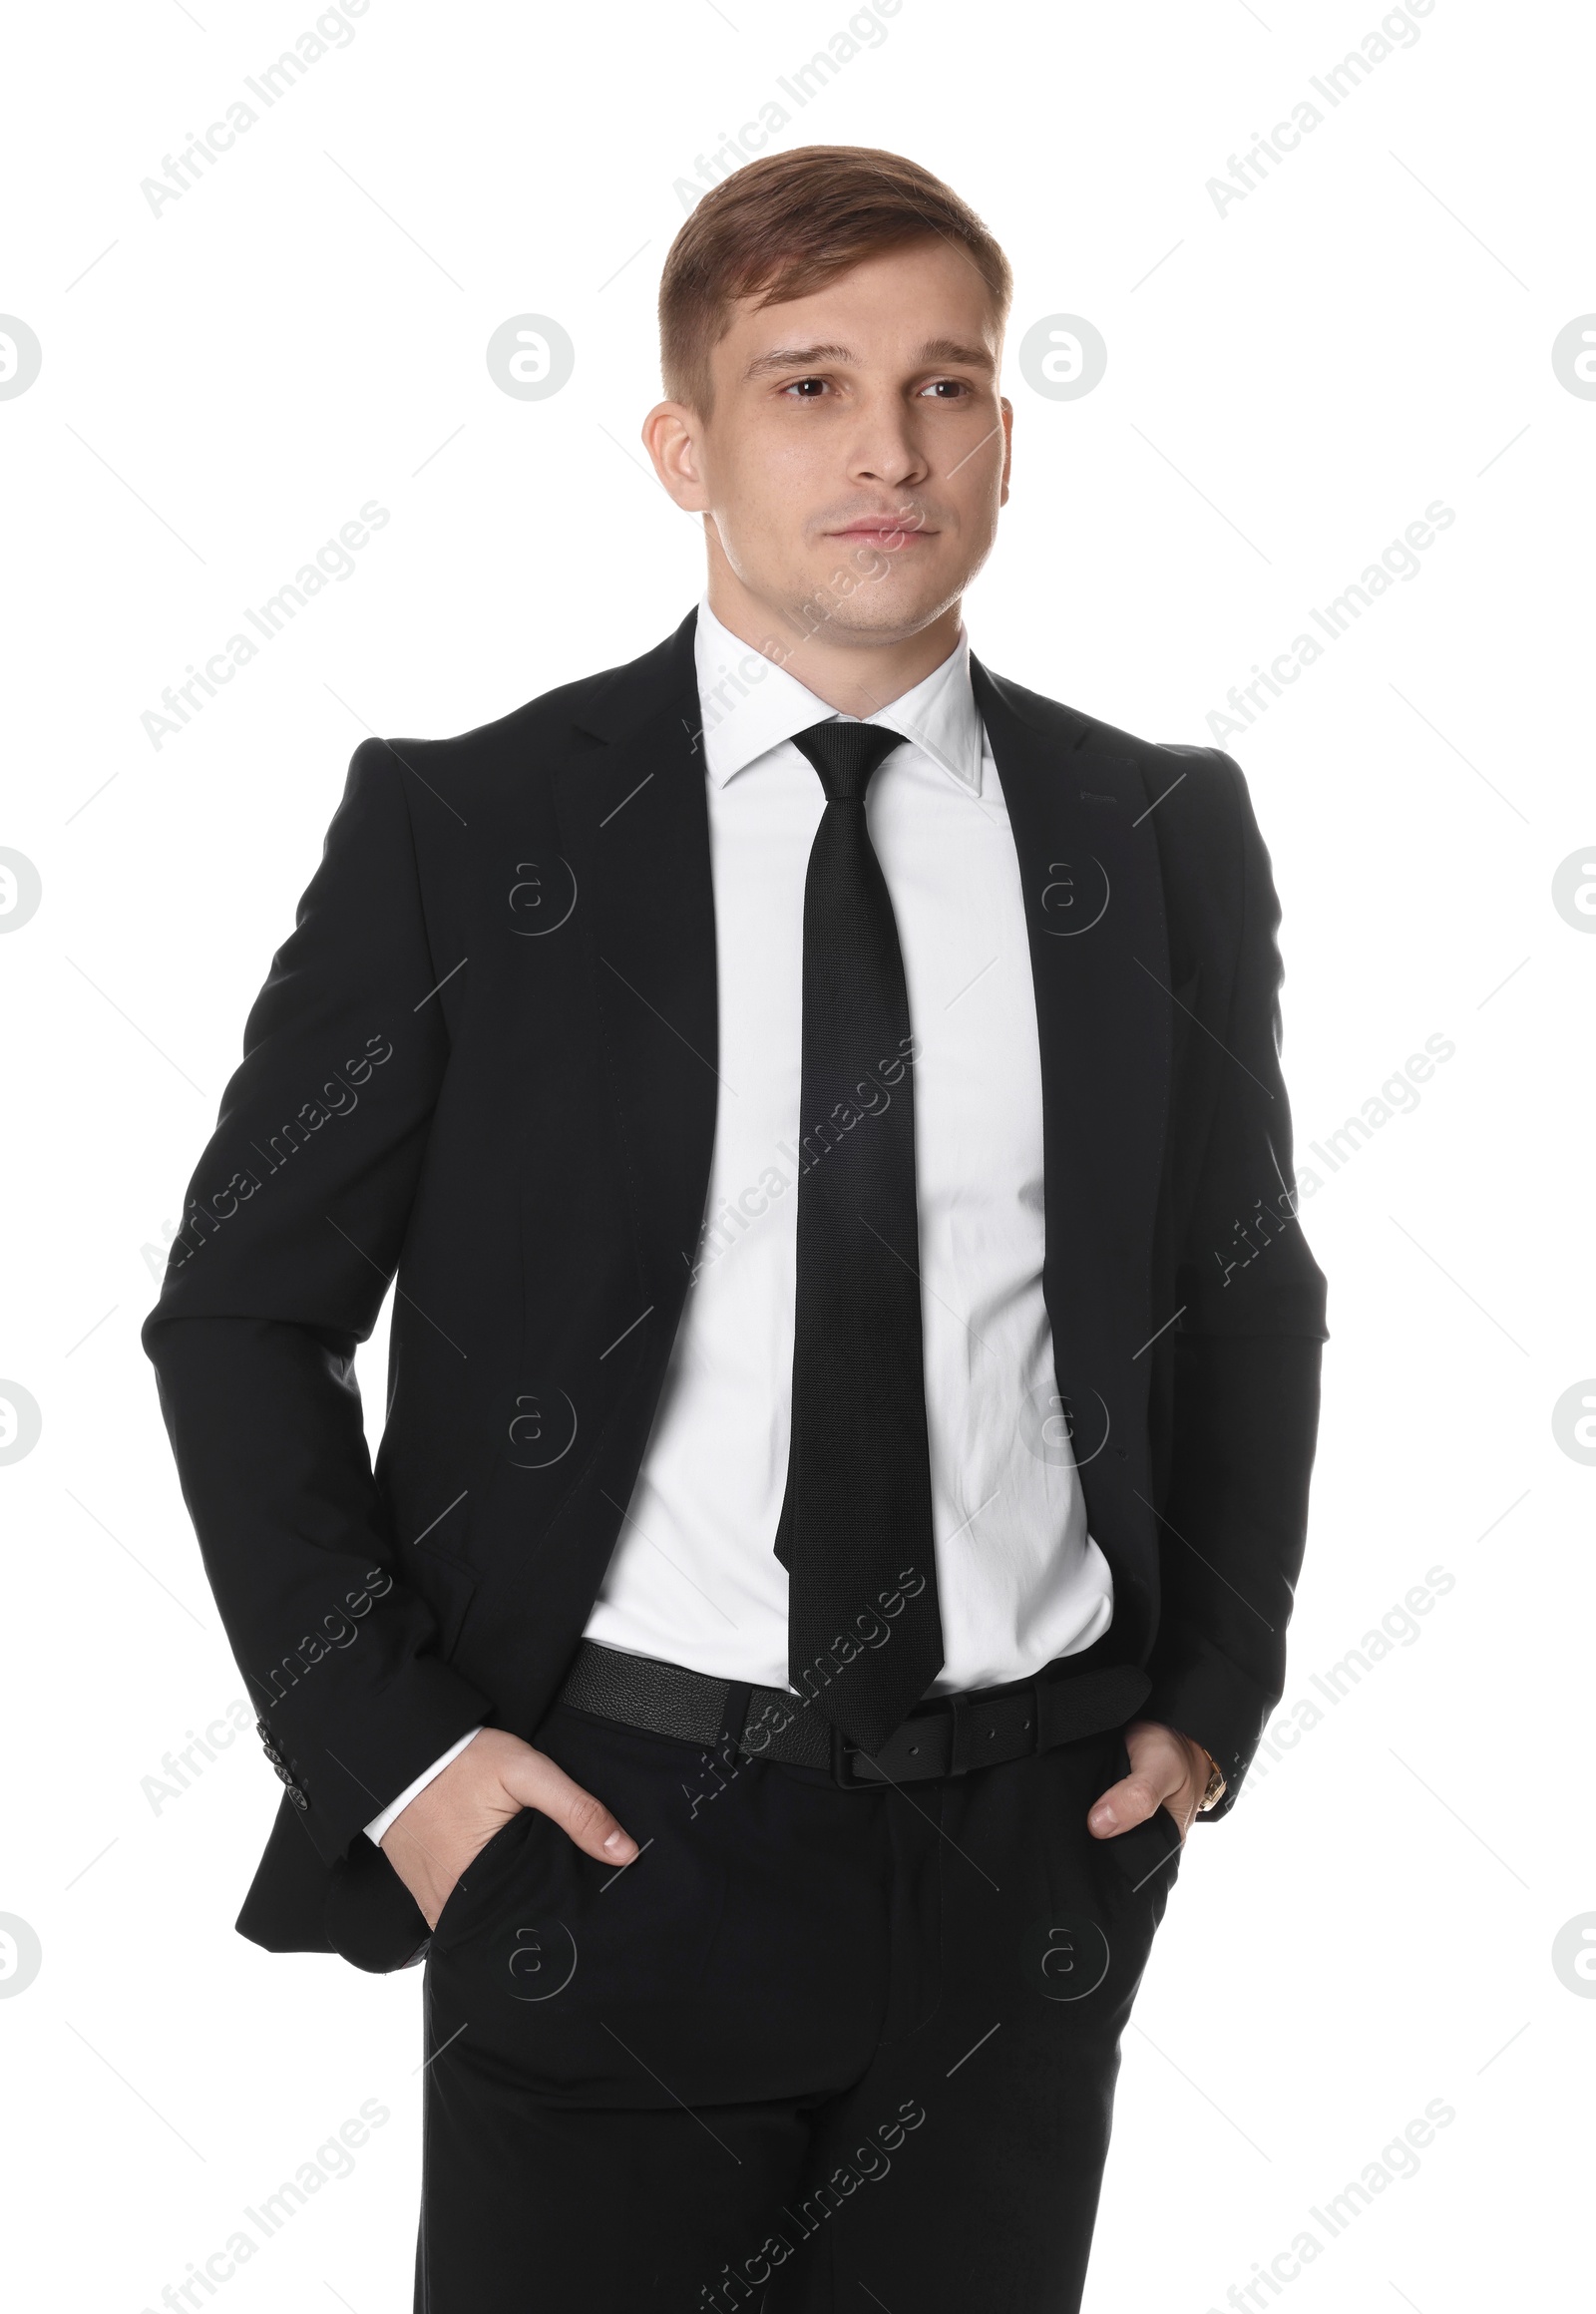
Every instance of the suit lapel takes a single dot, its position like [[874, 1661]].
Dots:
[[635, 820], [1094, 894]]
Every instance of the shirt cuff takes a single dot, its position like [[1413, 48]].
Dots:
[[379, 1823]]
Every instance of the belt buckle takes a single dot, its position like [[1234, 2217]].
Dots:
[[843, 1772]]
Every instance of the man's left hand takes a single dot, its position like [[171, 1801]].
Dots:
[[1166, 1770]]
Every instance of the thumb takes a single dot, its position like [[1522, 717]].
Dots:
[[540, 1782], [1130, 1801]]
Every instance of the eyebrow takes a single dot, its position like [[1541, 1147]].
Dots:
[[935, 349]]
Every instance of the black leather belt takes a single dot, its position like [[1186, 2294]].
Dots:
[[945, 1735]]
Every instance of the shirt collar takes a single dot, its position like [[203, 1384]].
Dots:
[[761, 704]]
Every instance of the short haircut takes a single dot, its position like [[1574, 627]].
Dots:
[[787, 224]]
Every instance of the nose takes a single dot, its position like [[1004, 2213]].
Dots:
[[884, 450]]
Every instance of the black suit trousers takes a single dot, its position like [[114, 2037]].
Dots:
[[814, 2048]]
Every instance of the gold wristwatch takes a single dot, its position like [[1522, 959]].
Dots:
[[1215, 1790]]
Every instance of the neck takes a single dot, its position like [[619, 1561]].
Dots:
[[856, 674]]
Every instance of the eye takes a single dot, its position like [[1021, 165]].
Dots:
[[957, 386], [797, 385]]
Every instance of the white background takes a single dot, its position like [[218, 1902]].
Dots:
[[1289, 385]]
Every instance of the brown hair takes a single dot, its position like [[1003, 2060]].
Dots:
[[786, 224]]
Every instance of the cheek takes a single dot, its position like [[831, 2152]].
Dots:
[[774, 491]]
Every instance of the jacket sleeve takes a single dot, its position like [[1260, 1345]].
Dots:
[[292, 1227], [1247, 1354]]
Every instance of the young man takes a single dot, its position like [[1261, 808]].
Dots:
[[854, 1369]]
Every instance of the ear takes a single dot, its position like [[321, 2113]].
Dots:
[[671, 435], [1006, 408]]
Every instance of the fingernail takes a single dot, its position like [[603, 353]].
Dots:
[[619, 1843], [1105, 1819]]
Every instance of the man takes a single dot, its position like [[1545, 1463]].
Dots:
[[854, 1366]]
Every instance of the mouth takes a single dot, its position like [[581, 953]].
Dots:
[[888, 532]]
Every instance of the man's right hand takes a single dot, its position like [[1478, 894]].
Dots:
[[430, 1843]]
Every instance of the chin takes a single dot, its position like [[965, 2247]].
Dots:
[[878, 609]]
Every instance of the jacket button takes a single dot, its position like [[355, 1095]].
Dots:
[[298, 1798]]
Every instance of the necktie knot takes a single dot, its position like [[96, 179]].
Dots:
[[846, 754]]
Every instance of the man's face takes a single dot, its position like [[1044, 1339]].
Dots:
[[857, 450]]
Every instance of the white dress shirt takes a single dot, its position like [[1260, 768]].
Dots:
[[693, 1578]]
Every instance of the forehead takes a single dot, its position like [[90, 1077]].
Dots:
[[923, 302]]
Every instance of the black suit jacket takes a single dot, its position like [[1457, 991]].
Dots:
[[485, 1059]]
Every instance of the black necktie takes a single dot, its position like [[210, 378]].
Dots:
[[864, 1628]]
